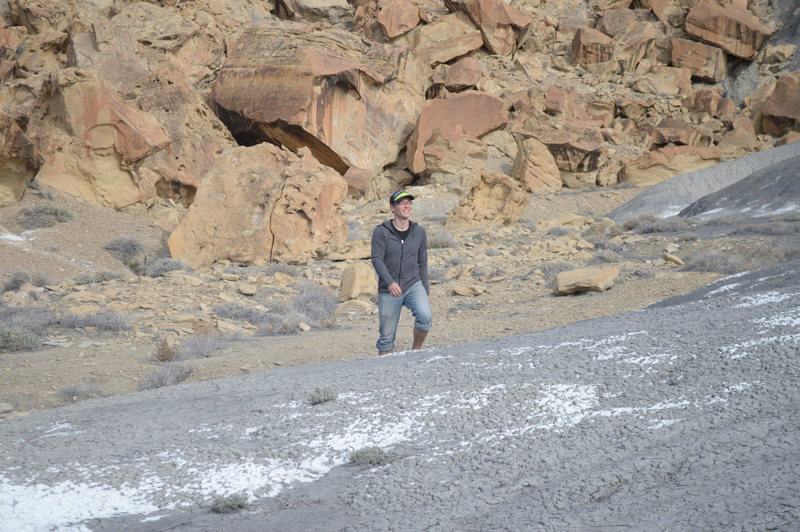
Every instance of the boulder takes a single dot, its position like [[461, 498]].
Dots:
[[672, 131], [286, 205], [637, 45], [590, 46], [491, 199], [780, 112], [535, 167], [18, 162], [444, 39], [399, 17], [709, 102], [474, 113], [664, 163], [741, 140], [502, 27], [584, 280], [575, 147], [669, 81], [351, 102], [616, 21], [159, 28], [90, 138], [464, 74], [358, 279], [561, 102], [672, 12], [732, 28], [705, 62], [450, 156], [333, 11]]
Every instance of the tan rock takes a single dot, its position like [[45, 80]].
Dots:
[[351, 102], [18, 161], [358, 279], [669, 81], [616, 21], [332, 11], [354, 307], [664, 163], [467, 290], [399, 17], [535, 167], [503, 28], [287, 207], [472, 112], [449, 156], [575, 147], [671, 131], [780, 112], [358, 249], [732, 28], [494, 199], [464, 74], [444, 39], [672, 12], [565, 102], [584, 280], [710, 102], [590, 46], [637, 46], [669, 257], [705, 62], [790, 137], [246, 289], [779, 53]]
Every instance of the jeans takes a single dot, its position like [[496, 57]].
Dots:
[[389, 307]]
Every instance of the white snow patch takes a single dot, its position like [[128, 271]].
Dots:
[[13, 238], [764, 299]]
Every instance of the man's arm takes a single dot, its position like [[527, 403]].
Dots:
[[378, 252], [422, 261]]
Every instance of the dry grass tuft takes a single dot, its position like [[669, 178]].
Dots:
[[169, 375], [370, 456]]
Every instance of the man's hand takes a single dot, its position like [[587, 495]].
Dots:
[[395, 290]]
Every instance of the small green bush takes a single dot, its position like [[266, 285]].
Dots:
[[17, 339], [105, 320], [229, 504], [369, 456], [42, 216], [169, 375], [322, 395], [158, 267]]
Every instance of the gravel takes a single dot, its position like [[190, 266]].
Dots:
[[679, 416]]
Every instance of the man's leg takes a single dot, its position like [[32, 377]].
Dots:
[[419, 304], [389, 308]]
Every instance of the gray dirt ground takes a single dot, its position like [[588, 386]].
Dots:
[[676, 417]]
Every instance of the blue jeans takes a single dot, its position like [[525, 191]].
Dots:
[[389, 307]]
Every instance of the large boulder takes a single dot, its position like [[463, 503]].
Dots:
[[443, 40], [399, 17], [471, 112], [450, 156], [732, 28], [637, 45], [664, 163], [286, 207], [591, 46], [17, 161], [704, 103], [669, 81], [576, 147], [780, 112], [535, 167], [351, 102], [705, 62], [584, 280], [493, 199], [503, 28], [90, 139]]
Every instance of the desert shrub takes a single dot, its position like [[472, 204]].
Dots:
[[315, 302], [769, 229], [161, 265], [75, 392], [32, 319], [239, 312], [551, 269], [787, 217], [105, 320], [275, 325], [99, 277], [647, 223], [270, 268], [602, 256], [125, 248], [369, 456], [441, 240], [322, 395], [602, 242], [42, 216], [229, 504], [492, 252], [456, 260], [20, 277], [561, 230], [716, 222], [169, 375], [467, 304], [687, 237], [17, 339], [164, 351], [202, 345], [714, 262]]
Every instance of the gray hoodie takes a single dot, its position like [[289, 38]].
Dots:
[[403, 262]]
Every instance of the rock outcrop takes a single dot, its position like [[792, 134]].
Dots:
[[17, 161], [262, 203]]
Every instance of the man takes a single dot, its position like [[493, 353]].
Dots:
[[400, 258]]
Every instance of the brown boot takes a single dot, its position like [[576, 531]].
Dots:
[[419, 338]]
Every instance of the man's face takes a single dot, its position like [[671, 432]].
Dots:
[[402, 208]]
